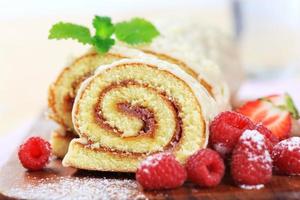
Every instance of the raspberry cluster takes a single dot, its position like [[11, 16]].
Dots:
[[253, 152]]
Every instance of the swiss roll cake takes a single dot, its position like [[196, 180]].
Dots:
[[191, 57], [136, 107], [63, 90]]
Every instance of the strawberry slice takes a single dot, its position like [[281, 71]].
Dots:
[[275, 112], [284, 102]]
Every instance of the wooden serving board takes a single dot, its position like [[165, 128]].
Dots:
[[58, 182]]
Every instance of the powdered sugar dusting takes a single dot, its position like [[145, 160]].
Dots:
[[255, 140], [80, 188], [254, 136], [291, 144], [252, 187], [153, 160]]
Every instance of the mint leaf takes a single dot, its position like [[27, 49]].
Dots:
[[104, 27], [102, 45], [290, 106], [136, 31], [63, 30]]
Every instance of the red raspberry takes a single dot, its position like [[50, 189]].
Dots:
[[161, 171], [206, 168], [226, 129], [286, 156], [271, 139], [251, 164], [34, 153]]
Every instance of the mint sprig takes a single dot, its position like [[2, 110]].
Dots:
[[136, 31], [103, 26], [133, 32], [63, 30], [102, 45]]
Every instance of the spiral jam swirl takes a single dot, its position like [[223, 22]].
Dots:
[[146, 115]]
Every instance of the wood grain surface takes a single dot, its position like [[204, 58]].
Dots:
[[57, 182]]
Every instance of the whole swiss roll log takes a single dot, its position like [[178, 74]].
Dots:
[[63, 90]]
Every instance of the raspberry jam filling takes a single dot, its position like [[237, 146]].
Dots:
[[142, 113], [145, 114]]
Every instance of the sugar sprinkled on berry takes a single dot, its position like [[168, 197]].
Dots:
[[286, 156], [160, 171], [226, 129], [251, 164], [291, 144]]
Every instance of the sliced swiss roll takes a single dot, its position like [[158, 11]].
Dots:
[[63, 91], [136, 107]]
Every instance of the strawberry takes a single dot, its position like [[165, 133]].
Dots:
[[276, 112]]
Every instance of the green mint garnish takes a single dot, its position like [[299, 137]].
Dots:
[[133, 32], [103, 26], [136, 31], [63, 30], [102, 45]]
